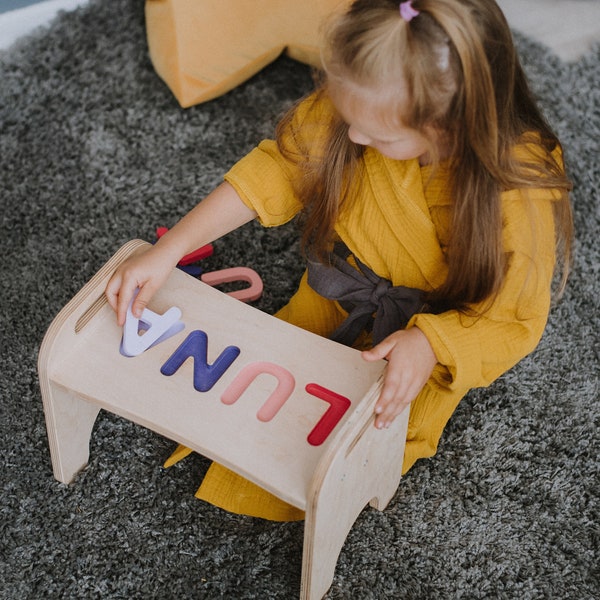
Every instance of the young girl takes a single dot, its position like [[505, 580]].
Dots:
[[434, 207]]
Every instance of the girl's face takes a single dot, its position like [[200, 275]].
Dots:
[[367, 126]]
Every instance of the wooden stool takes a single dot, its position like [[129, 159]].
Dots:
[[291, 411]]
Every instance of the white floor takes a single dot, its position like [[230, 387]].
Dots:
[[569, 27], [16, 23]]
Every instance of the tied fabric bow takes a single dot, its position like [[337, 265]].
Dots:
[[372, 303]]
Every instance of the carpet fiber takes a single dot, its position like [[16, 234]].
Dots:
[[95, 152]]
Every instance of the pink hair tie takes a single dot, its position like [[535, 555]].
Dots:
[[407, 12]]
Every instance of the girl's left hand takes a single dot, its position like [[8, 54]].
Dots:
[[411, 361]]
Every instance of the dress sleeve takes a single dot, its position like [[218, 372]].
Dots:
[[264, 178], [472, 351]]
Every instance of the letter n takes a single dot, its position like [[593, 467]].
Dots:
[[196, 346]]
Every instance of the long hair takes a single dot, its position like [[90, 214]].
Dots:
[[465, 83]]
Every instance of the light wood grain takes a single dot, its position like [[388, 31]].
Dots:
[[82, 371]]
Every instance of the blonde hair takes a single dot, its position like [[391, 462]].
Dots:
[[464, 80]]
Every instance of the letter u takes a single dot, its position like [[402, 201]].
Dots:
[[284, 389]]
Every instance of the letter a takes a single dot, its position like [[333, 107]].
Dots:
[[196, 346], [154, 328]]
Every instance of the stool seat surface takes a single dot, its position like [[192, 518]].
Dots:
[[275, 454]]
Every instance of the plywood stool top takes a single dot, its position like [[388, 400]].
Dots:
[[275, 454]]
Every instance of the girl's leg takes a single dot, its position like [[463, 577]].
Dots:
[[310, 311], [429, 413]]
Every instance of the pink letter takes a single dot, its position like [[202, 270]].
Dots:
[[284, 389], [250, 276]]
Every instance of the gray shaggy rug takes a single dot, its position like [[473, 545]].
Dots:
[[94, 152]]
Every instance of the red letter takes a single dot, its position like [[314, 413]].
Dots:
[[339, 405]]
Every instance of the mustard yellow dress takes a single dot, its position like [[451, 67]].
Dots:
[[399, 227]]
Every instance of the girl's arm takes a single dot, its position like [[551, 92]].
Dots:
[[219, 213], [472, 350]]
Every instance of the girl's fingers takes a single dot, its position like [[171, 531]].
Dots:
[[138, 278], [141, 300], [118, 296], [112, 291], [124, 299], [380, 351], [391, 403], [119, 292]]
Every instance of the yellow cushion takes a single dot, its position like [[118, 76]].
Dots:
[[204, 48]]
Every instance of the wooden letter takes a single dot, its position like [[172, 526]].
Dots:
[[338, 406], [284, 389], [154, 328], [196, 346]]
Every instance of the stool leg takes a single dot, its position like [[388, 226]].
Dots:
[[328, 525], [69, 423], [366, 472], [326, 529]]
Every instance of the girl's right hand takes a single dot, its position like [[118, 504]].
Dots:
[[219, 213], [148, 272]]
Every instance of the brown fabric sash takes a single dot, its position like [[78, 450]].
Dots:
[[372, 303]]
